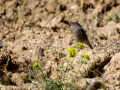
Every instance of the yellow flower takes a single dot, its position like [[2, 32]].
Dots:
[[85, 57], [71, 52], [79, 45], [35, 64]]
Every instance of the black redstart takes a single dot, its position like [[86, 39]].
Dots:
[[79, 34]]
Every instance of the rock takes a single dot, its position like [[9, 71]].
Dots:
[[112, 73]]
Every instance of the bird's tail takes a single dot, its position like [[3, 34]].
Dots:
[[88, 43]]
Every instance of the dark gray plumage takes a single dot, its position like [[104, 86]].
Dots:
[[79, 34]]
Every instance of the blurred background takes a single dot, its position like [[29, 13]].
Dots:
[[38, 30]]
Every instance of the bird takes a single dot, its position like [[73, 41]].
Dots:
[[79, 34]]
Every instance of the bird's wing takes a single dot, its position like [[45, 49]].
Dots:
[[86, 41], [84, 34]]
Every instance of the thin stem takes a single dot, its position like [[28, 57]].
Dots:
[[72, 61], [77, 71], [67, 73], [62, 74]]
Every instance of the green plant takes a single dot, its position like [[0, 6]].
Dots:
[[82, 62], [101, 18], [88, 70], [119, 14], [92, 66], [60, 83], [71, 52], [109, 19], [35, 64], [79, 45], [116, 18], [85, 57], [38, 66], [46, 82], [62, 72], [27, 79]]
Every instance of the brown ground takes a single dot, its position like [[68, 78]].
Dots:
[[30, 26]]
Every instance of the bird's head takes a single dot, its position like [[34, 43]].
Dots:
[[74, 24]]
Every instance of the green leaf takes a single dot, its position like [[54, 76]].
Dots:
[[83, 61], [85, 57], [39, 65], [116, 17], [68, 60], [109, 18], [68, 69], [62, 66], [78, 61], [119, 14], [45, 69], [71, 66], [57, 70], [92, 66], [101, 18]]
